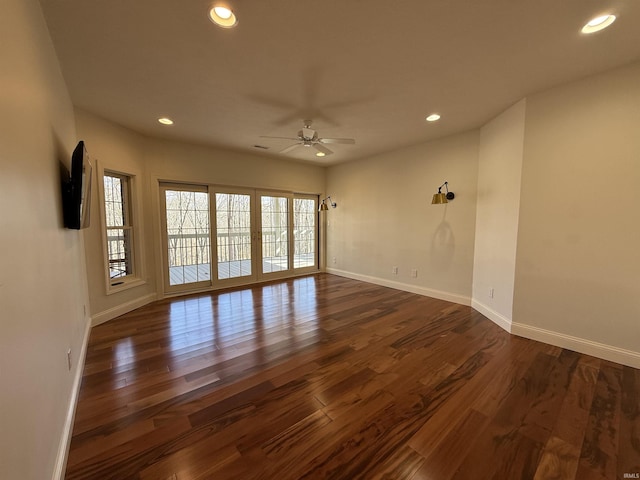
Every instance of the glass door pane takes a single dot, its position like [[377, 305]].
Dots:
[[188, 240], [274, 233], [233, 235], [305, 212]]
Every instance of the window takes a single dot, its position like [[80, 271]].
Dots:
[[119, 228]]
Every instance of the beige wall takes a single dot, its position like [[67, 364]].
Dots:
[[118, 149], [152, 160], [385, 218], [499, 176], [42, 286], [169, 160], [578, 255]]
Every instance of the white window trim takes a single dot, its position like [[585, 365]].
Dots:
[[138, 276]]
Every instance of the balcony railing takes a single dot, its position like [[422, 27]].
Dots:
[[193, 249]]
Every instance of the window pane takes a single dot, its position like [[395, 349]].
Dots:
[[233, 221], [188, 236], [275, 243], [114, 201], [119, 252], [304, 232]]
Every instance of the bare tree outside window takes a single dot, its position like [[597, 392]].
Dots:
[[188, 236], [233, 226], [304, 232], [275, 229]]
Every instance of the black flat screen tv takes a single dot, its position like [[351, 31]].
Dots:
[[77, 190]]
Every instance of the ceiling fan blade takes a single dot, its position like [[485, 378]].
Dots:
[[283, 138], [322, 148], [346, 141], [290, 147]]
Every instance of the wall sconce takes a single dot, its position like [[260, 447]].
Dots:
[[440, 197], [324, 206]]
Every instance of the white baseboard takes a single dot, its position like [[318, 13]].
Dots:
[[427, 292], [492, 315], [114, 312], [65, 439], [588, 347]]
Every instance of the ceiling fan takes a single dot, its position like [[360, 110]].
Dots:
[[308, 137]]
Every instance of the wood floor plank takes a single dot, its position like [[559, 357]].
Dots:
[[327, 377], [629, 440], [559, 461], [480, 387], [131, 456], [443, 461], [403, 464], [365, 443], [599, 455]]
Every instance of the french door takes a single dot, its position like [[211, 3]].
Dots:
[[235, 236], [187, 237], [274, 235], [218, 236]]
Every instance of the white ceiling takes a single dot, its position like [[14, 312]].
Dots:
[[366, 69]]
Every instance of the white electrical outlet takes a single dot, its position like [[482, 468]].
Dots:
[[69, 359], [491, 292], [414, 273], [333, 260], [394, 270]]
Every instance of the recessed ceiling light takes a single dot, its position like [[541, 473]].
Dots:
[[433, 117], [223, 16], [598, 23], [320, 154], [165, 121]]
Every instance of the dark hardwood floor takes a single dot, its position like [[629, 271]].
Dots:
[[325, 377]]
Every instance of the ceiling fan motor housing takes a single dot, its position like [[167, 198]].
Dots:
[[307, 134]]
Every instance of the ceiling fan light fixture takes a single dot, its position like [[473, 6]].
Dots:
[[308, 137], [599, 23], [223, 16]]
